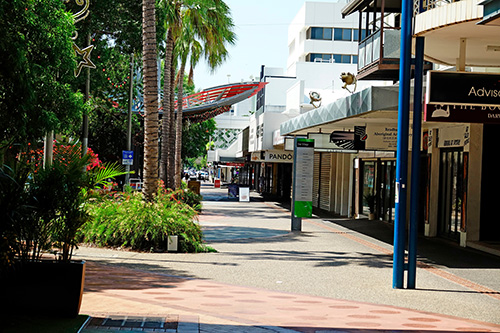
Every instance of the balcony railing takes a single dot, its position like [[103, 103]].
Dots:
[[378, 47], [420, 6]]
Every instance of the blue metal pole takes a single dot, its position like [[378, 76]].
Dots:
[[415, 162], [402, 149]]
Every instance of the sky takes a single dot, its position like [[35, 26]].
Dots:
[[261, 27]]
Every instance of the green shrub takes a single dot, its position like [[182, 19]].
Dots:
[[188, 197], [126, 220]]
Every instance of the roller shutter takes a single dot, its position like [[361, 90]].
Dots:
[[324, 187], [316, 179]]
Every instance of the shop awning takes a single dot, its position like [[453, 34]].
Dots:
[[356, 109]]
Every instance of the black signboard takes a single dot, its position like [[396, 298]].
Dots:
[[462, 113], [306, 144], [480, 89], [350, 140]]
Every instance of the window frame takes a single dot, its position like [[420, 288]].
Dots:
[[339, 34], [313, 31]]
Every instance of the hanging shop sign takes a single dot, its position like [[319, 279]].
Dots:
[[234, 164], [453, 137], [369, 137], [462, 113], [340, 141], [381, 137], [466, 88], [463, 97], [272, 156]]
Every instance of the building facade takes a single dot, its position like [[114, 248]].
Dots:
[[457, 182]]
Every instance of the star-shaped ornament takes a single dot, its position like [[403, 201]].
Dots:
[[86, 62]]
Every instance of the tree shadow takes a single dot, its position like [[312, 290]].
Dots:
[[322, 258], [233, 234], [429, 250], [104, 275]]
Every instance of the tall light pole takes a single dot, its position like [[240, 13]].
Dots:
[[129, 115], [402, 150], [85, 129]]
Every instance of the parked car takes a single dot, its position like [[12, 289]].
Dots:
[[202, 175]]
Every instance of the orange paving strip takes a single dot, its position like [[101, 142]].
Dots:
[[429, 268], [460, 281], [126, 290]]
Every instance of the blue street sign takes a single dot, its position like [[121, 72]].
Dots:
[[127, 157], [127, 154]]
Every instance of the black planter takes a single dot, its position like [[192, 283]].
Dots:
[[47, 287]]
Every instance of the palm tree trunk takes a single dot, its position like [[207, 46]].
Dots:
[[150, 175], [167, 139], [178, 138], [171, 148]]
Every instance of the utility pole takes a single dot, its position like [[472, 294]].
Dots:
[[85, 129], [402, 149], [129, 115]]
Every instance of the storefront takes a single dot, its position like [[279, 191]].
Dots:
[[270, 172], [464, 117], [375, 183]]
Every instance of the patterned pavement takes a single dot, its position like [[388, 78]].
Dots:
[[121, 298]]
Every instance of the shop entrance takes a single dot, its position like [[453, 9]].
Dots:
[[386, 193], [377, 188], [451, 196]]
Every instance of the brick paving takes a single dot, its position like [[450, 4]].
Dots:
[[119, 298], [132, 292]]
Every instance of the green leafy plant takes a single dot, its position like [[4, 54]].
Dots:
[[126, 220], [45, 207], [188, 197], [76, 183], [13, 208]]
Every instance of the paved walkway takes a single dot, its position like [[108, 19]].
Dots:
[[335, 276]]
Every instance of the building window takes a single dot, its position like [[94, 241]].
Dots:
[[342, 34], [346, 59], [332, 58], [319, 57], [342, 58], [355, 34], [320, 33]]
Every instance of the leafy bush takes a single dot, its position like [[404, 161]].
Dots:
[[43, 208], [126, 220], [188, 197]]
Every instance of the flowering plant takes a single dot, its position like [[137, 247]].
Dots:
[[54, 199], [63, 153]]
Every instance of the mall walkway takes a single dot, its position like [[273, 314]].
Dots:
[[334, 276]]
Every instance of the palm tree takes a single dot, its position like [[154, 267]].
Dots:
[[211, 23], [172, 10], [150, 174]]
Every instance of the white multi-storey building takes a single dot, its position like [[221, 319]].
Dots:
[[322, 46]]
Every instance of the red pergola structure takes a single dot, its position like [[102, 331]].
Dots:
[[217, 100]]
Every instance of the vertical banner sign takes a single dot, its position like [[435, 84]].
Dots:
[[304, 166]]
